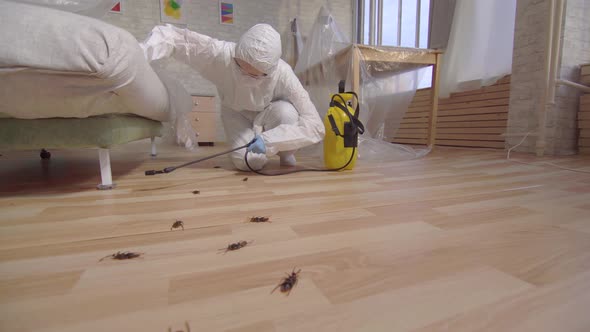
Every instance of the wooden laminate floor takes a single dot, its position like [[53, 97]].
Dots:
[[461, 240]]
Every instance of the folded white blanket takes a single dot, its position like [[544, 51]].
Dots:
[[59, 64]]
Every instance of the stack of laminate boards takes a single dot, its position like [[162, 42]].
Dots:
[[476, 118], [584, 113]]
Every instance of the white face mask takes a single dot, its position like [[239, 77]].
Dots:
[[249, 81], [246, 79]]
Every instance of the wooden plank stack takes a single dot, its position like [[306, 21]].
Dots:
[[468, 119], [584, 114], [414, 127]]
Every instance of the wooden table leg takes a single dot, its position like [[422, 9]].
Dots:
[[356, 71], [434, 99]]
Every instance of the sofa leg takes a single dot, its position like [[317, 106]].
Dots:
[[154, 151], [44, 154], [105, 170]]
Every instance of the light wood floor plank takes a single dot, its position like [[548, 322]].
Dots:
[[559, 307], [411, 307]]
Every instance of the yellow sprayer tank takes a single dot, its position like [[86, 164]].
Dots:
[[342, 129]]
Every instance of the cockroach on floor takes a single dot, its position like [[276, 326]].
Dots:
[[121, 255], [196, 192], [288, 283], [236, 246], [177, 224], [245, 179], [260, 219]]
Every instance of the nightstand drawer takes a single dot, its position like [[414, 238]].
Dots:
[[205, 125], [203, 104]]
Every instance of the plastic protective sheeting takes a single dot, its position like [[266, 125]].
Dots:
[[372, 149], [178, 130], [388, 81], [389, 78], [292, 44], [92, 8], [324, 61]]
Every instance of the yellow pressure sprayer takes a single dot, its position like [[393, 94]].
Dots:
[[342, 130]]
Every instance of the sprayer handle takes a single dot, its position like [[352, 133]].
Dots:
[[341, 86]]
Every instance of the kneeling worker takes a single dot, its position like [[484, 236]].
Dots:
[[260, 94]]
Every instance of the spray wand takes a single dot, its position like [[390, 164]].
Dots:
[[173, 168]]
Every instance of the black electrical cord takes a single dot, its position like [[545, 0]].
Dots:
[[300, 169]]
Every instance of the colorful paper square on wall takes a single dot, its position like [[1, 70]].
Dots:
[[226, 12], [117, 8], [172, 11]]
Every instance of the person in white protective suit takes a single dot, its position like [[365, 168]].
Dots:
[[260, 95]]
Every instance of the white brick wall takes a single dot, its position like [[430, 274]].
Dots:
[[527, 83]]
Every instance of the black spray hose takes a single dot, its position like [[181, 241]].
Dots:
[[301, 169], [173, 168]]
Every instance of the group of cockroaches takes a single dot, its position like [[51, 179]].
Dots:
[[285, 286]]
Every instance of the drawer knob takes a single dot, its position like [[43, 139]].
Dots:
[[196, 119], [196, 103]]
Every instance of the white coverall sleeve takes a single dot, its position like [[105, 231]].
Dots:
[[196, 50], [308, 130]]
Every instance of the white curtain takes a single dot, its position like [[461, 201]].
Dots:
[[479, 51]]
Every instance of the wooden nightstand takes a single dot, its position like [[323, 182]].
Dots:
[[204, 119]]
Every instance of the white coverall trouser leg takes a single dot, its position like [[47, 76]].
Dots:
[[238, 126]]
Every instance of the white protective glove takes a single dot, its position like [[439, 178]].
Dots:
[[159, 44]]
